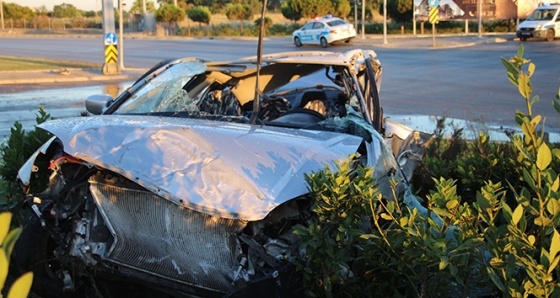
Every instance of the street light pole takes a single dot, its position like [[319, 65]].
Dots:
[[479, 3], [413, 18], [2, 14], [385, 22], [121, 43], [363, 19], [356, 14]]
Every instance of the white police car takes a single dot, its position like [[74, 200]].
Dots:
[[544, 22], [324, 31]]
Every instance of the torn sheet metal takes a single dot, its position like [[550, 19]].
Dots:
[[226, 169]]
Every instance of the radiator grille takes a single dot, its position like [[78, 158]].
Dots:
[[157, 236]]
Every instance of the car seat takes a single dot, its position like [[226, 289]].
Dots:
[[218, 102], [314, 100]]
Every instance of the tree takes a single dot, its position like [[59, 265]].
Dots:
[[274, 5], [239, 12], [137, 7], [89, 14], [398, 10], [308, 9], [14, 11], [267, 23], [341, 8], [315, 8], [65, 10], [169, 13], [200, 14], [291, 10]]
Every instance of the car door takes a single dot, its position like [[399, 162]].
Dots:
[[306, 33], [317, 32]]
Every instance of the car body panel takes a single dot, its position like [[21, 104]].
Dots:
[[224, 169]]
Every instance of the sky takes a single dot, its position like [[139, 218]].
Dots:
[[86, 5]]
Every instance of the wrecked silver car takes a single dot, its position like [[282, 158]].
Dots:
[[190, 183]]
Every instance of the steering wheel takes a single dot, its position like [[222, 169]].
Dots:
[[301, 116]]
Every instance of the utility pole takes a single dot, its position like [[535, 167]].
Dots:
[[363, 19], [385, 22], [356, 14], [479, 3], [2, 14], [110, 40], [121, 54], [413, 18]]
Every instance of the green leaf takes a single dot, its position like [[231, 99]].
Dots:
[[553, 206], [443, 263], [497, 263], [451, 204], [21, 287], [525, 87], [555, 185], [544, 157], [403, 221], [536, 120], [542, 221], [386, 216], [553, 265], [517, 213], [531, 69], [532, 239], [555, 244], [10, 240], [556, 105], [5, 219], [3, 268]]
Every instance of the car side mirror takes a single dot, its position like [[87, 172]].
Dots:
[[96, 104]]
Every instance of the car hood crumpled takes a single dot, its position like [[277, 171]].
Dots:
[[224, 169]]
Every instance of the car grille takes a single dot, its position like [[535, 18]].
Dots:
[[162, 238], [526, 29]]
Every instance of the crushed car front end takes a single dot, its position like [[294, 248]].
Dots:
[[191, 182]]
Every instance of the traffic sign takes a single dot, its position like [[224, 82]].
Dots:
[[110, 39], [434, 19], [433, 3]]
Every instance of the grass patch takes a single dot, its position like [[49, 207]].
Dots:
[[8, 63]]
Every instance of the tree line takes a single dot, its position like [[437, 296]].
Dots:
[[201, 10]]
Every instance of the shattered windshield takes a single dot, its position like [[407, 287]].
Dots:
[[165, 92]]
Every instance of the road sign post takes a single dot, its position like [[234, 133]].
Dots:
[[434, 18], [110, 43]]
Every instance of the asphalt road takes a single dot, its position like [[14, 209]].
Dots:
[[461, 82]]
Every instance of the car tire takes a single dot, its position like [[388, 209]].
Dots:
[[297, 42], [549, 35], [31, 254], [348, 40], [324, 42]]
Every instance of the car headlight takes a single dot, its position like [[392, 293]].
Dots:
[[539, 27]]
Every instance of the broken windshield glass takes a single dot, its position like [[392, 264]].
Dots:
[[165, 93]]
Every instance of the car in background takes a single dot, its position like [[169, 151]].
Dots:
[[544, 22], [324, 31]]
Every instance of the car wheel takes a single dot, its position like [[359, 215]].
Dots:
[[297, 42], [324, 42], [549, 35], [31, 253], [348, 40]]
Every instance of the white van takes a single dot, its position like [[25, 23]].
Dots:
[[544, 22]]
